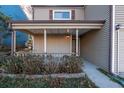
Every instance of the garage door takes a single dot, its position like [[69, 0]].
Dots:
[[121, 50]]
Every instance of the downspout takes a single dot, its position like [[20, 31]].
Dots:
[[32, 12], [118, 51], [113, 40], [110, 39], [114, 29], [117, 29]]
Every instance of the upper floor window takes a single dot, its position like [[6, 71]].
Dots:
[[62, 15]]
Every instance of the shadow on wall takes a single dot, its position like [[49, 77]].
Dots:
[[90, 45]]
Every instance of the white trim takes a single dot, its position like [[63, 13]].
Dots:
[[70, 44], [79, 45], [45, 37], [118, 70], [62, 11], [14, 42], [55, 26]]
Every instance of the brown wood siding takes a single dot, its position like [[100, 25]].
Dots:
[[73, 14], [51, 14], [32, 13], [95, 44], [43, 13]]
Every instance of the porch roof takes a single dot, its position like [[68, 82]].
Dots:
[[30, 25]]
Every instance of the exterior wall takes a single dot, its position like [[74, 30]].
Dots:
[[58, 44], [95, 44], [38, 43], [119, 19], [55, 44], [119, 14], [42, 13]]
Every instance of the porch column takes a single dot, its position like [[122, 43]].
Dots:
[[33, 43], [77, 42], [45, 37], [13, 43]]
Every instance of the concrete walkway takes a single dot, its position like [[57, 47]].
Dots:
[[98, 78]]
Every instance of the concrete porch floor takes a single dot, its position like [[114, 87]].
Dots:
[[99, 78]]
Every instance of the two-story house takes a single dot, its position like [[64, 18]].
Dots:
[[69, 29]]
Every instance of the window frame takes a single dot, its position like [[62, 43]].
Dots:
[[70, 15]]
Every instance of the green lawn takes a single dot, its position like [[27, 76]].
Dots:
[[46, 83]]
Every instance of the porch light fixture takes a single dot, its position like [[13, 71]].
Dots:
[[67, 36], [117, 27]]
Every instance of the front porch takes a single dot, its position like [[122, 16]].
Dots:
[[56, 38]]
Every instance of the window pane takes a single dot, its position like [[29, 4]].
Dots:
[[62, 15], [58, 15], [65, 15]]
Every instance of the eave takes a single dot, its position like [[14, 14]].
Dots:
[[54, 24]]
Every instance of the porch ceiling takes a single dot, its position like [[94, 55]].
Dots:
[[56, 26]]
